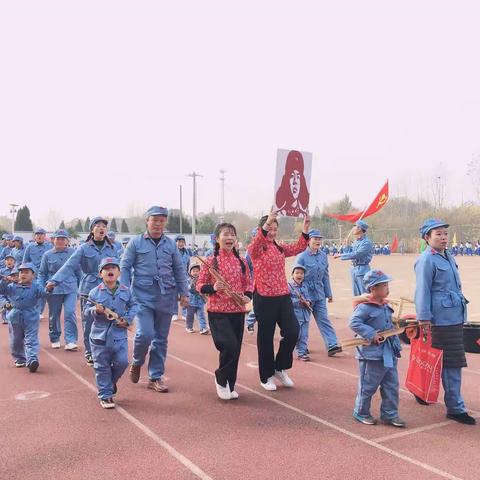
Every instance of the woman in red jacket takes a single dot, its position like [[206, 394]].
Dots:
[[226, 316], [271, 300]]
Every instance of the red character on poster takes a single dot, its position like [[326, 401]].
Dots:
[[292, 196]]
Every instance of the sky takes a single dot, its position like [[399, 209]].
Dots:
[[107, 106]]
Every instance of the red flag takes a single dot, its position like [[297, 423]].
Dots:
[[394, 245], [379, 201]]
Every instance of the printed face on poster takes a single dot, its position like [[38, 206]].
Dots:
[[292, 182]]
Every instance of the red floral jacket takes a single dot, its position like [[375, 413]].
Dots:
[[269, 263], [229, 268]]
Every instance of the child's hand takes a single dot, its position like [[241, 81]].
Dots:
[[99, 309], [122, 323], [49, 286], [377, 339], [330, 299]]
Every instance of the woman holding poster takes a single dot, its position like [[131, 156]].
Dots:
[[292, 196], [271, 299]]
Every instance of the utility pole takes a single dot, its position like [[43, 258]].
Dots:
[[340, 230], [194, 175], [222, 194], [13, 211], [181, 214]]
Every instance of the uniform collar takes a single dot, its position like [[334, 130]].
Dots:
[[104, 287], [312, 252]]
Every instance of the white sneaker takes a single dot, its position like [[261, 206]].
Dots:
[[234, 395], [190, 330], [223, 392], [204, 331], [56, 345], [284, 378], [269, 385], [71, 347], [174, 318]]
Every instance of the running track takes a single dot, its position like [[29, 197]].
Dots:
[[51, 424]]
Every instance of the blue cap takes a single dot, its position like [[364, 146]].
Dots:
[[27, 266], [9, 255], [111, 234], [430, 224], [8, 236], [179, 237], [108, 261], [153, 211], [95, 220], [4, 236], [61, 233], [125, 239], [374, 277], [297, 265], [39, 230], [18, 238], [361, 224], [14, 271], [314, 234]]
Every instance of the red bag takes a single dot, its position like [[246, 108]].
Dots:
[[425, 368]]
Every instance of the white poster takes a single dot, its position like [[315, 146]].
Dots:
[[292, 182]]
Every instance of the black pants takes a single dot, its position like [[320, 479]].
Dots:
[[227, 334], [271, 311]]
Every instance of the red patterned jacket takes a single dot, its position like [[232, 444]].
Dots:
[[229, 268], [269, 263]]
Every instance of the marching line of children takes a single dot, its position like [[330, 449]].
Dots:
[[62, 269]]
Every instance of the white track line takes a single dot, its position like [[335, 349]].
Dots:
[[412, 431], [149, 433], [328, 424]]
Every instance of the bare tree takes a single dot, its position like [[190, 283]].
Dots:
[[473, 171], [439, 187]]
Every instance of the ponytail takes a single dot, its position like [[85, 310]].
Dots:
[[242, 265]]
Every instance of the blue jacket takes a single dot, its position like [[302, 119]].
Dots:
[[120, 302], [317, 278], [18, 254], [361, 255], [366, 321], [35, 251], [185, 255], [24, 299], [195, 299], [302, 313], [157, 268], [51, 263], [87, 257], [438, 294]]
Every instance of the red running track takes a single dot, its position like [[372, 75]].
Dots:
[[189, 433]]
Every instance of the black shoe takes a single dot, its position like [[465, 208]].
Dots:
[[89, 359], [107, 403], [33, 366], [115, 389], [334, 350], [250, 329], [420, 400], [464, 418]]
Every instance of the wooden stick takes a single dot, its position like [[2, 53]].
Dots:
[[229, 291]]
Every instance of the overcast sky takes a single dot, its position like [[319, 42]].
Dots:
[[106, 106]]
